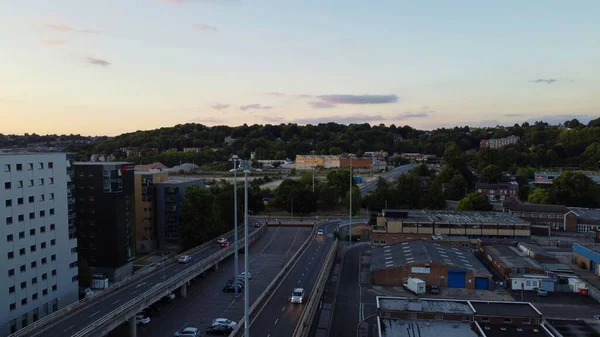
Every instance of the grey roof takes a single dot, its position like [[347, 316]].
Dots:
[[506, 330], [515, 205], [510, 257], [458, 217], [100, 163], [573, 328], [175, 180], [433, 305], [506, 309], [537, 250], [555, 266], [588, 216], [410, 328], [498, 186], [422, 251]]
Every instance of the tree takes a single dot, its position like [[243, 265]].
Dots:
[[380, 196], [575, 189], [453, 156], [456, 189], [356, 200], [491, 174], [409, 190], [539, 196], [200, 217], [284, 192], [302, 201], [474, 202], [359, 153], [434, 198], [339, 181]]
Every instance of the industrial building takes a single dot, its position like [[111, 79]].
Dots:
[[38, 264], [428, 317], [434, 263], [544, 218], [394, 226], [587, 257], [509, 261], [546, 178], [145, 212]]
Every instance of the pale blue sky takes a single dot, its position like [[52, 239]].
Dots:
[[107, 67]]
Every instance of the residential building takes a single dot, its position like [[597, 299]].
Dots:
[[546, 178], [442, 265], [105, 216], [393, 226], [170, 196], [192, 149], [498, 192], [145, 212], [543, 218], [38, 262], [419, 157], [304, 162], [496, 143]]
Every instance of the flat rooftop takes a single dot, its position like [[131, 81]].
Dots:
[[100, 163], [573, 328], [425, 251], [412, 328], [179, 180], [511, 257], [506, 309], [424, 305], [453, 217], [504, 330]]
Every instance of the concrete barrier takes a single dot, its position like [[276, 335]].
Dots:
[[308, 314]]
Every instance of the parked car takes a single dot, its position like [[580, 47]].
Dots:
[[219, 330], [243, 275], [168, 298], [142, 319], [221, 240], [88, 292], [225, 322], [184, 259], [320, 232], [542, 292], [257, 225], [188, 332], [225, 244], [434, 289], [297, 296]]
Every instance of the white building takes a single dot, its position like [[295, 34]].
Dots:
[[38, 258]]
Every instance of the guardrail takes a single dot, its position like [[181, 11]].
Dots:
[[308, 314], [159, 289], [57, 315], [269, 290]]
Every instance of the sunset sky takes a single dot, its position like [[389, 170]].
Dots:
[[108, 67]]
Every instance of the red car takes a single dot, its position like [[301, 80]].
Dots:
[[225, 244], [256, 225]]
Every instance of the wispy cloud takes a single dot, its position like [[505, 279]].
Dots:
[[209, 120], [321, 105], [206, 28], [330, 101], [219, 106], [97, 61], [545, 80], [66, 28], [350, 119], [274, 120], [424, 112], [254, 107], [51, 42], [275, 94], [513, 115]]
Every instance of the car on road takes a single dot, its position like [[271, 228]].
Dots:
[[188, 332], [225, 322], [184, 259], [542, 293], [219, 330], [221, 240], [320, 232], [434, 289], [297, 295], [230, 286], [257, 225], [142, 319], [225, 244], [242, 275]]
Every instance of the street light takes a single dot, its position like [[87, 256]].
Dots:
[[350, 214], [245, 165], [235, 159]]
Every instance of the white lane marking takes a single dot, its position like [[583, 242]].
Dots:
[[302, 274], [117, 301], [141, 284], [282, 309], [269, 335], [274, 235], [94, 314], [306, 268], [69, 328], [298, 281], [163, 276], [277, 320], [295, 236]]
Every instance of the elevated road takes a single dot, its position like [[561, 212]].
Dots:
[[389, 176]]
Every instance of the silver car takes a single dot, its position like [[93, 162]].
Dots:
[[297, 296]]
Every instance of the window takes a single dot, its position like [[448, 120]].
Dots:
[[11, 272], [526, 321], [21, 235], [22, 251], [9, 238], [74, 278], [6, 167], [34, 280], [50, 165], [32, 231], [32, 215], [32, 248], [11, 255], [44, 276], [51, 181], [54, 287], [43, 245], [41, 166], [42, 214], [45, 292], [23, 268], [51, 211], [52, 227], [54, 272], [53, 242], [19, 167], [13, 306], [8, 202], [7, 185], [33, 264], [21, 217], [53, 257], [20, 201], [92, 198], [11, 289], [24, 301], [44, 260], [30, 183], [23, 285], [29, 166], [43, 229], [9, 220], [72, 265], [507, 320], [51, 196], [31, 199], [41, 181], [41, 197], [34, 297], [20, 184]]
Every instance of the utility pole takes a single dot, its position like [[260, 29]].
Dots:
[[236, 268], [292, 208], [350, 214], [246, 168], [313, 180]]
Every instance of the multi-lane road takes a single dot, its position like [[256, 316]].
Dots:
[[391, 175], [81, 318]]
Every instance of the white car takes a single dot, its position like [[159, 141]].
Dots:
[[188, 332], [320, 232], [297, 296], [184, 259], [221, 240], [142, 319], [243, 275], [224, 321]]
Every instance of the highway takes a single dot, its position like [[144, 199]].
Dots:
[[106, 303], [389, 176], [278, 317]]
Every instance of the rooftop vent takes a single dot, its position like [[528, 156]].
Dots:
[[503, 328]]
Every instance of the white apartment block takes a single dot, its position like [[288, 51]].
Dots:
[[38, 258]]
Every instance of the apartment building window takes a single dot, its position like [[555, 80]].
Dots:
[[44, 292], [11, 272], [42, 214], [9, 220], [50, 165], [11, 289], [30, 183], [31, 215], [9, 238], [41, 181], [52, 227], [33, 264], [33, 298], [53, 257], [13, 306], [23, 268], [8, 203], [32, 232], [19, 201], [32, 248], [74, 278], [54, 272], [23, 285], [29, 166], [22, 251], [44, 276], [54, 287], [6, 167], [21, 235], [72, 265], [7, 185], [51, 211], [19, 167], [24, 301], [42, 197], [53, 242], [31, 199], [34, 280], [44, 261], [40, 166], [51, 181], [11, 255]]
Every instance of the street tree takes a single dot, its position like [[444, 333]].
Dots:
[[474, 202]]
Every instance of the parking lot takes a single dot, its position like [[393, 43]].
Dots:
[[561, 304], [206, 300]]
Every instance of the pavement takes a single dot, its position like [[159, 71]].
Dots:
[[278, 317], [106, 303], [205, 299]]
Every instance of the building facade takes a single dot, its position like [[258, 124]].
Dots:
[[587, 257], [145, 212], [496, 143], [170, 196], [105, 216], [544, 217], [546, 178], [304, 162], [39, 250], [362, 162], [498, 192]]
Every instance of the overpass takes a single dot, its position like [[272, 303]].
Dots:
[[367, 188]]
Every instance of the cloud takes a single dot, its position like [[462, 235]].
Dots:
[[254, 107], [97, 62], [350, 119], [67, 28], [275, 94], [208, 120], [206, 28], [545, 80], [513, 115], [274, 120], [51, 42], [358, 99], [219, 106], [321, 105], [424, 112]]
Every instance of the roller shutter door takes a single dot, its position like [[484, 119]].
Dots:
[[481, 283], [456, 279]]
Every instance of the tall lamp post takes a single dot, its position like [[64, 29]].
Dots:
[[350, 214], [235, 159], [246, 167]]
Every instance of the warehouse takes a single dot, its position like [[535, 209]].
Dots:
[[510, 261], [587, 257], [434, 263]]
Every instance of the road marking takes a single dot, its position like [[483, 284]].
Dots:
[[295, 236], [94, 314], [141, 284], [69, 328], [274, 235], [269, 335], [282, 309], [306, 268], [302, 274], [277, 320], [163, 276], [298, 281], [117, 301]]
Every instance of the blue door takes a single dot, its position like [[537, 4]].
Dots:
[[456, 279], [482, 283], [593, 266]]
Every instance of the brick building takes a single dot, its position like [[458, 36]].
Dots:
[[496, 143], [363, 162], [509, 261], [543, 218], [499, 191]]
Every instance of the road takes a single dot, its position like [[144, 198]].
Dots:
[[106, 303], [389, 176], [351, 299], [206, 301], [278, 317]]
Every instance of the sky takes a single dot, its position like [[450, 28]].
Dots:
[[109, 67]]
